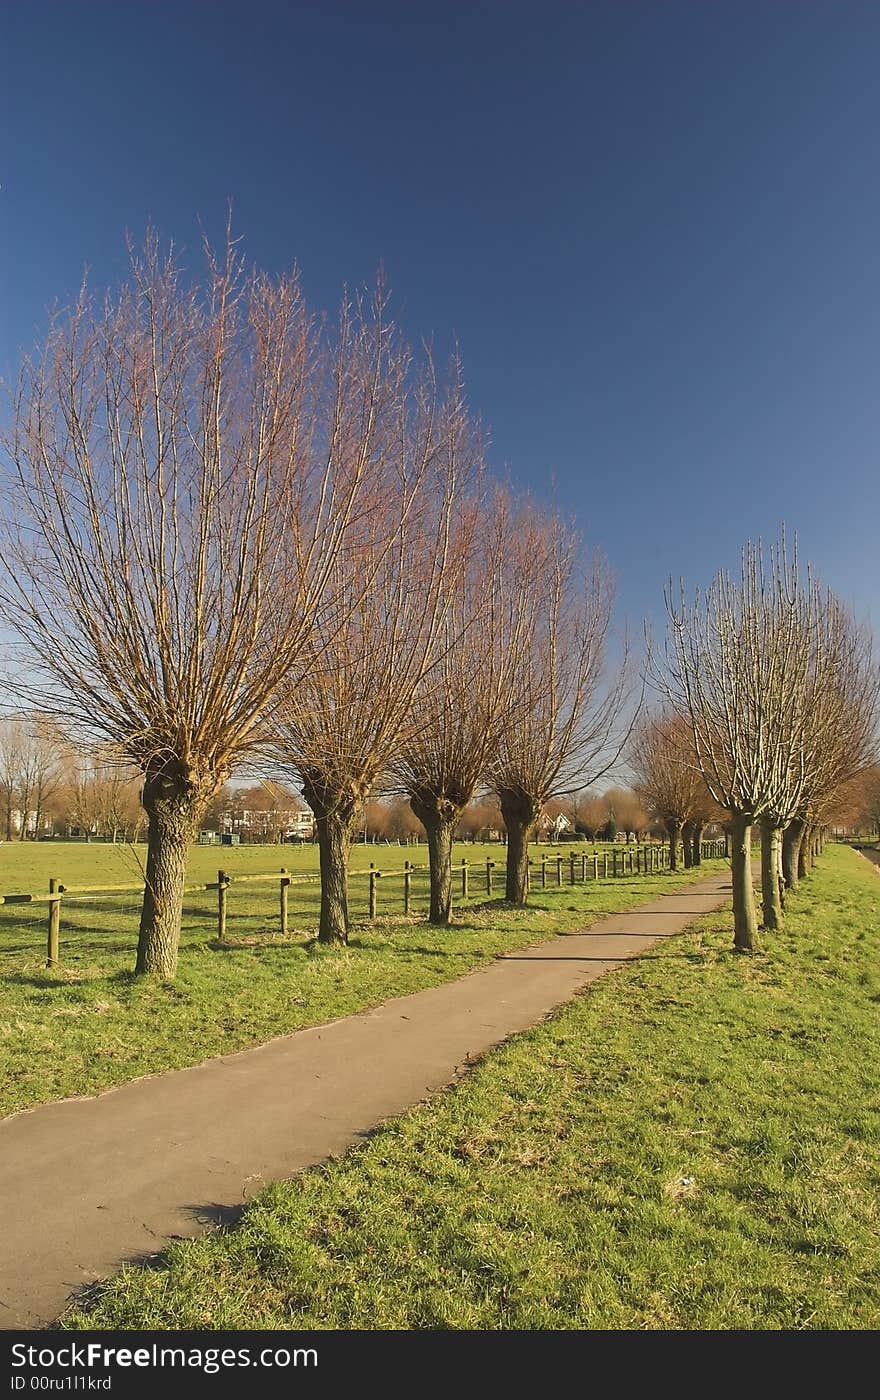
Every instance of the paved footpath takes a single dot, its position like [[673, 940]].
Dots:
[[86, 1184]]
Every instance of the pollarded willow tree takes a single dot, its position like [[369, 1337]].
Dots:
[[184, 471], [741, 668], [338, 727], [668, 778], [842, 711], [471, 695], [568, 728]]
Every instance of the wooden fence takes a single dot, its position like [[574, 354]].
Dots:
[[471, 878]]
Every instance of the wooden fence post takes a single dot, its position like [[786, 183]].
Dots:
[[571, 871], [543, 871], [285, 886], [558, 868], [464, 879], [374, 875], [489, 865], [606, 864], [583, 868], [54, 925], [222, 887], [595, 865], [407, 885]]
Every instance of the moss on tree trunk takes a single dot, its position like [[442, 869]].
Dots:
[[771, 900], [791, 852], [745, 917]]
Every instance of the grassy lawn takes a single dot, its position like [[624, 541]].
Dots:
[[89, 1024], [693, 1143]]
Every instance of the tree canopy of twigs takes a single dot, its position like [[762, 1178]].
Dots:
[[669, 781], [568, 728], [470, 696], [758, 668], [186, 459], [338, 726]]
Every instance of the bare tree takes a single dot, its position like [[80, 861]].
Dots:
[[181, 483], [743, 666], [340, 724], [840, 732], [31, 772], [471, 694], [567, 726], [668, 778]]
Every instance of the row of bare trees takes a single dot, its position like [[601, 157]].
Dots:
[[772, 692], [45, 784], [234, 528]]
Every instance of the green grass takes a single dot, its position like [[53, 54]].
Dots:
[[691, 1144], [90, 1024]]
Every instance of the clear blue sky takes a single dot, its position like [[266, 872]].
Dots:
[[653, 227]]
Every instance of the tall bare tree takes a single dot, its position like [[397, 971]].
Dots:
[[184, 467], [743, 666], [668, 778], [340, 723], [568, 726], [471, 694]]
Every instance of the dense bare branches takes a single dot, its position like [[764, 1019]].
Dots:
[[764, 671], [373, 645], [186, 461], [668, 779], [471, 695], [567, 726]]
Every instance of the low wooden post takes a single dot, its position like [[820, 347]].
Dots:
[[558, 869], [583, 868], [407, 885], [285, 886], [606, 865], [222, 887], [374, 875], [614, 859], [489, 865], [464, 879], [572, 859], [629, 862], [54, 925], [595, 865]]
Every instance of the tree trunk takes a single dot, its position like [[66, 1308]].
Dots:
[[334, 844], [520, 815], [174, 802], [791, 852], [335, 815], [696, 839], [673, 829], [687, 834], [438, 816], [745, 918], [771, 904], [805, 855]]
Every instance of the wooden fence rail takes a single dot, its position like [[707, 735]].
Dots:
[[582, 868]]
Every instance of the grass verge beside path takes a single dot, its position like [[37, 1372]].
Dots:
[[90, 1024], [693, 1143]]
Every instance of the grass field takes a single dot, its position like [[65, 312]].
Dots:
[[89, 1024], [692, 1144]]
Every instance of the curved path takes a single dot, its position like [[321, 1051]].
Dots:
[[89, 1183]]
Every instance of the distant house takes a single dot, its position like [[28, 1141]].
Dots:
[[300, 825]]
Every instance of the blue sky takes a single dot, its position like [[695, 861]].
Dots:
[[654, 228]]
